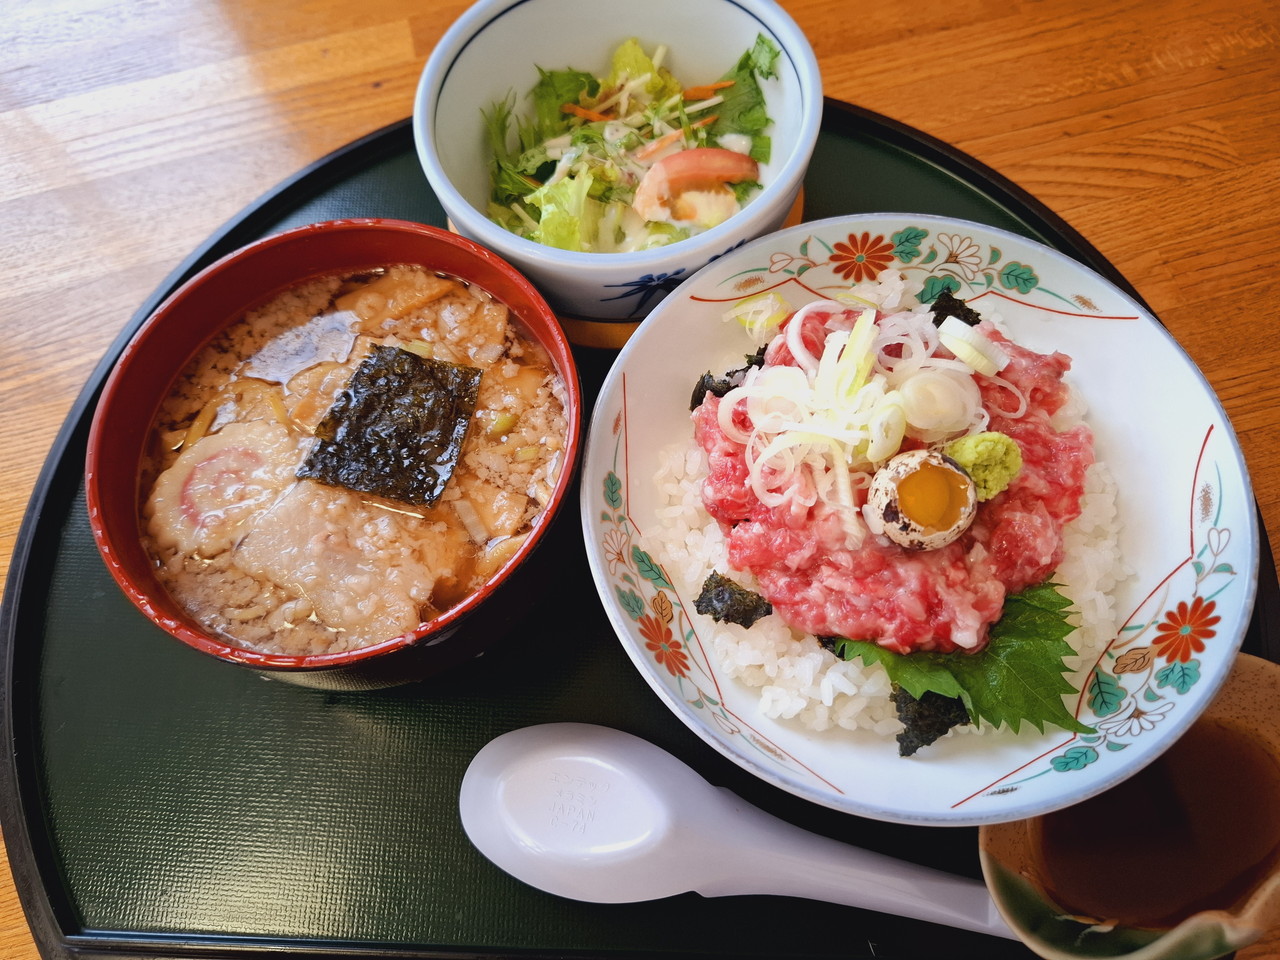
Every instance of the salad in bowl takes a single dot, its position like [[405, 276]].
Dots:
[[658, 137], [631, 160]]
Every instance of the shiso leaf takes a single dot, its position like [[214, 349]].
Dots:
[[926, 719], [725, 601], [948, 304], [917, 673], [396, 429], [1016, 678]]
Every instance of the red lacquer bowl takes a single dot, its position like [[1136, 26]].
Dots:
[[218, 296]]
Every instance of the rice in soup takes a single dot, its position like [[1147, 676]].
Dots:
[[351, 460]]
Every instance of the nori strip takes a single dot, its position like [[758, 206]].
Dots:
[[396, 428], [719, 386], [723, 600], [948, 305], [926, 719]]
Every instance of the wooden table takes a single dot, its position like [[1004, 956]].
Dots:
[[129, 132]]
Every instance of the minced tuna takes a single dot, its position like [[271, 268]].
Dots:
[[942, 599], [826, 573]]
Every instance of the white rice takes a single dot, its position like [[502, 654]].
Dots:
[[801, 681]]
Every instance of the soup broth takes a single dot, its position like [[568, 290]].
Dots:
[[295, 565]]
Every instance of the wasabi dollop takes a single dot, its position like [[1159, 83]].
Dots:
[[991, 459]]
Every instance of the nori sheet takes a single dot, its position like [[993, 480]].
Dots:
[[926, 719], [725, 601], [948, 304], [396, 429], [719, 386]]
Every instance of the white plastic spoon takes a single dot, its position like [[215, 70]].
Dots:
[[592, 813]]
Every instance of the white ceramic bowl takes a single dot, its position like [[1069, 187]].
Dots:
[[493, 50], [1189, 523]]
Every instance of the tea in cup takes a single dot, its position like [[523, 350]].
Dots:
[[1181, 861]]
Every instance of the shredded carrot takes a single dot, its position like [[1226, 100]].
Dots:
[[582, 112], [654, 147], [703, 91]]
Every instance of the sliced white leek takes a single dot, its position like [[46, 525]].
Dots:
[[844, 296], [761, 314], [970, 355], [887, 426], [862, 355], [940, 401], [972, 346], [818, 425]]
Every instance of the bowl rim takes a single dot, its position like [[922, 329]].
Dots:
[[792, 41], [150, 602]]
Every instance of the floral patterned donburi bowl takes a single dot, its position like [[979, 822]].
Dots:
[[1188, 540]]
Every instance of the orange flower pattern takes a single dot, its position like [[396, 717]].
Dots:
[[667, 650], [861, 257], [1185, 629]]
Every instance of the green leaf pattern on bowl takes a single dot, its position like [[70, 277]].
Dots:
[[1151, 662], [661, 620]]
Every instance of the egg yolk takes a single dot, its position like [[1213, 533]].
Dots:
[[933, 496]]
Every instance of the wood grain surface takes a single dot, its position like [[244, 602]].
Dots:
[[130, 130]]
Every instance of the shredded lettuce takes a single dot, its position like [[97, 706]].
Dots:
[[630, 62], [512, 173], [554, 89], [569, 215]]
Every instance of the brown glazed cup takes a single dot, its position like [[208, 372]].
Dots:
[[1014, 862]]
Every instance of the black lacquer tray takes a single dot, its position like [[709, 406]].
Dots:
[[156, 803]]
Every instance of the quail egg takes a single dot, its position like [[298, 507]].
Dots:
[[921, 500]]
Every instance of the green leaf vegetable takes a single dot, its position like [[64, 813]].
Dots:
[[743, 109], [1017, 678]]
